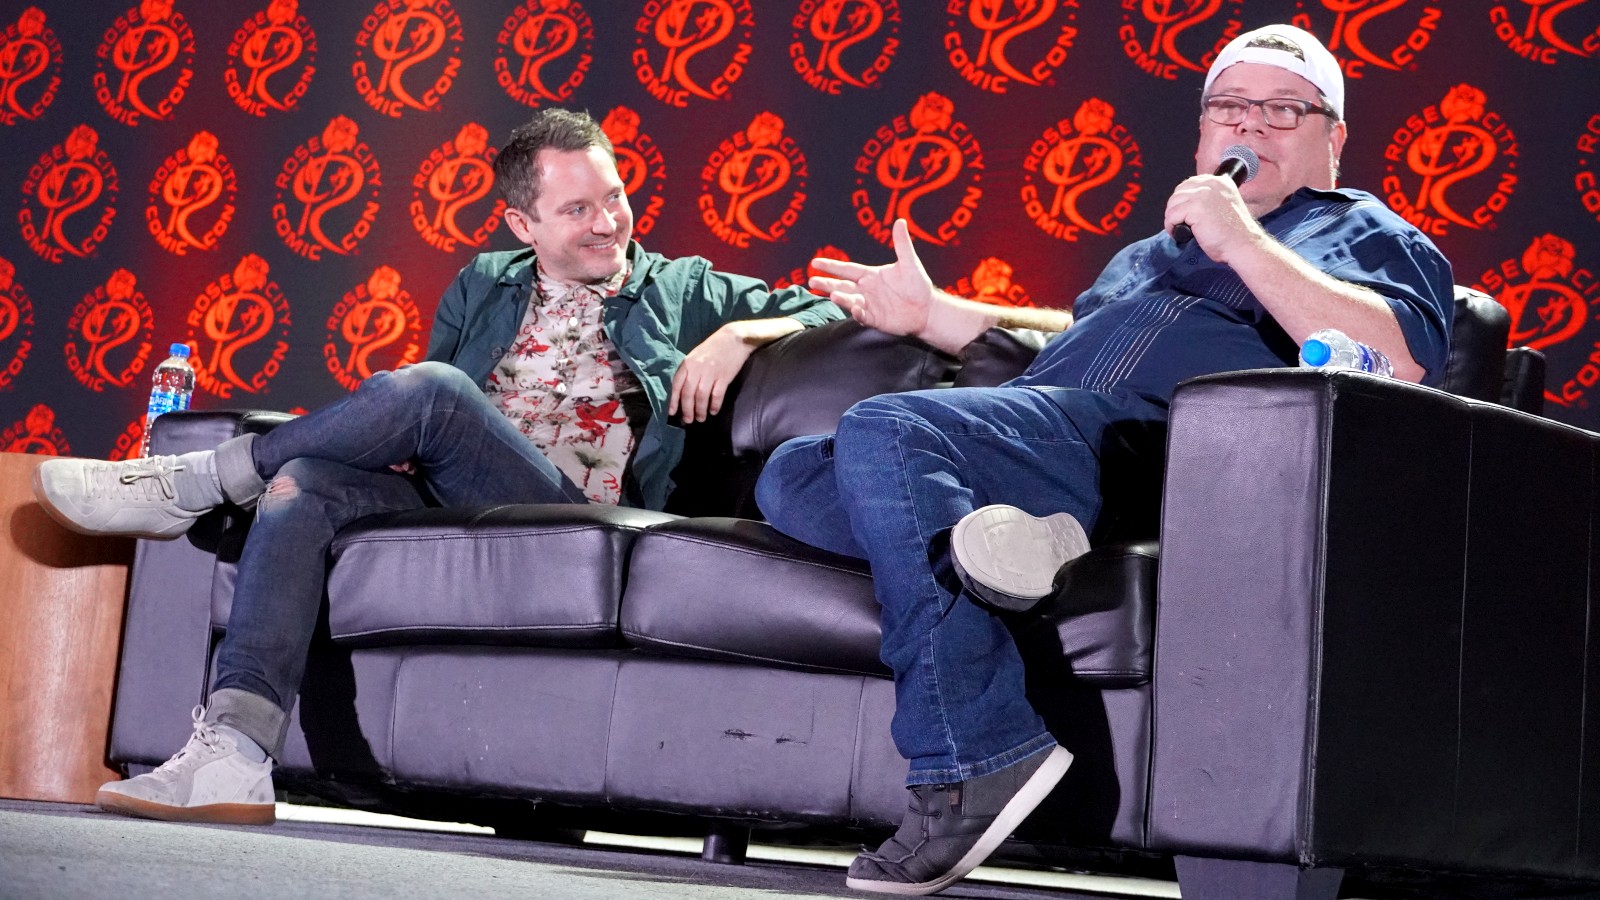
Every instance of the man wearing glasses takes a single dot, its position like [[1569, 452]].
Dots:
[[963, 496]]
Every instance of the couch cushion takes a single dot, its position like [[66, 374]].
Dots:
[[732, 589], [540, 575], [1100, 625]]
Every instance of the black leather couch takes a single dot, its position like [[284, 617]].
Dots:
[[1370, 650]]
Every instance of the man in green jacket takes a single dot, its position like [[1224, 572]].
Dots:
[[551, 376]]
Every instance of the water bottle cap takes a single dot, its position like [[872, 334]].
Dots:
[[1316, 353], [179, 350]]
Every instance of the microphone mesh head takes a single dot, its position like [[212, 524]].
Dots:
[[1252, 162]]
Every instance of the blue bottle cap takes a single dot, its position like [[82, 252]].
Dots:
[[1316, 353], [179, 350]]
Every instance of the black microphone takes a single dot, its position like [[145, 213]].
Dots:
[[1239, 163]]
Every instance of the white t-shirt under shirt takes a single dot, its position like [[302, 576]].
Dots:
[[563, 384]]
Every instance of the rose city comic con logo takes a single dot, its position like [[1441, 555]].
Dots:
[[238, 331], [327, 192], [543, 51], [271, 59], [30, 67], [1570, 27], [408, 54], [110, 334], [69, 198], [16, 325], [1072, 159], [995, 43], [145, 63], [640, 165], [36, 433], [449, 185], [192, 197], [1382, 34], [1585, 180], [1453, 164], [802, 276], [990, 282], [742, 172], [923, 167], [825, 32], [128, 442], [689, 48], [1549, 299], [1164, 38], [375, 327]]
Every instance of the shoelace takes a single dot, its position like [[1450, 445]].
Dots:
[[149, 479], [205, 738]]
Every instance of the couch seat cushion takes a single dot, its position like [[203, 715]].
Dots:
[[733, 589], [532, 575]]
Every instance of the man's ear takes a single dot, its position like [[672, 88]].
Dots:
[[520, 224]]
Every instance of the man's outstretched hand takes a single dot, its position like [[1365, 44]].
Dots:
[[896, 298]]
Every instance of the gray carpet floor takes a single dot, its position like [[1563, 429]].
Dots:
[[50, 850]]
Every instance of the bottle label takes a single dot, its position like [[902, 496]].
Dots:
[[160, 402]]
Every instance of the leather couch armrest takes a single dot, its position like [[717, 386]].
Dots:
[[166, 640], [1371, 629]]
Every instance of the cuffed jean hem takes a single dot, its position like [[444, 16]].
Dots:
[[236, 470], [255, 716], [978, 769]]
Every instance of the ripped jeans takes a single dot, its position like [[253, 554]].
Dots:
[[323, 471]]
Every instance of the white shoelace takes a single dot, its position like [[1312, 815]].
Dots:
[[205, 741], [139, 480]]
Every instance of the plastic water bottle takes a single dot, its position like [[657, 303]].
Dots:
[[170, 389], [1331, 349]]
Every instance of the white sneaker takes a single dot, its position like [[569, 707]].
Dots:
[[135, 497], [1010, 559], [208, 781]]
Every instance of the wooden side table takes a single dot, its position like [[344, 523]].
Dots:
[[61, 601]]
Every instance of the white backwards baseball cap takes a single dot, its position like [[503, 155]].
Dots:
[[1291, 49]]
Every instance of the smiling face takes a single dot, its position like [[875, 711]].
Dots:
[[580, 223], [1307, 156]]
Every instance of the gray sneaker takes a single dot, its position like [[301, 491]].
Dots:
[[950, 829], [1010, 559], [135, 497], [209, 780]]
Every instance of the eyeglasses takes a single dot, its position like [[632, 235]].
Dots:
[[1283, 113]]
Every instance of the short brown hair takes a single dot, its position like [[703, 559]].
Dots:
[[516, 168]]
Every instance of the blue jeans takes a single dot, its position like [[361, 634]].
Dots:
[[887, 487], [331, 467]]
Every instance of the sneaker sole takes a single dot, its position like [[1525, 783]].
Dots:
[[215, 813], [48, 505], [1009, 558], [1033, 792]]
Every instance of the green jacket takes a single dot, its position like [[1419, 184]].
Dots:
[[666, 308]]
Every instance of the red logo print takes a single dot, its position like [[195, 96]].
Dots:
[[128, 442], [929, 165], [145, 63], [1540, 37], [1165, 37], [30, 67], [333, 182], [1070, 160], [455, 177], [1585, 183], [803, 275], [239, 331], [991, 282], [73, 177], [538, 57], [1454, 149], [1375, 33], [1549, 298], [640, 165], [110, 334], [995, 43], [37, 433], [745, 170], [402, 35], [375, 327], [844, 42], [191, 197], [271, 59], [680, 33], [16, 324]]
